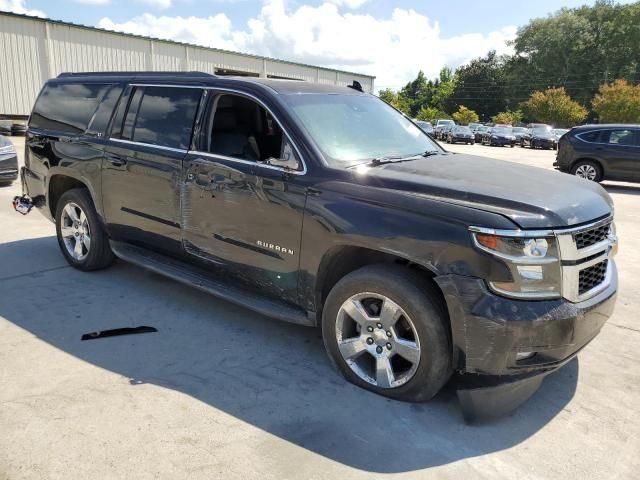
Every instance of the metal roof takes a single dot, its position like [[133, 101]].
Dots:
[[173, 42]]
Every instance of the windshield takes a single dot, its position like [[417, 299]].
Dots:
[[541, 130], [482, 129], [559, 131], [422, 124], [501, 131], [519, 130], [349, 129], [462, 130], [445, 122]]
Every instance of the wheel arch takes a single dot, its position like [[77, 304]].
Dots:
[[341, 260], [61, 182]]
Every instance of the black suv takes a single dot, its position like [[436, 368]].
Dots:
[[324, 206], [601, 152]]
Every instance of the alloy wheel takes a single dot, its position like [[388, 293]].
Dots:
[[377, 340], [75, 231], [586, 171]]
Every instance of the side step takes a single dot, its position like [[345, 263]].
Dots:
[[190, 275]]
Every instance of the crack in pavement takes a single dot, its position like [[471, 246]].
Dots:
[[34, 273]]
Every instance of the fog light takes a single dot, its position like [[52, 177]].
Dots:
[[524, 355]]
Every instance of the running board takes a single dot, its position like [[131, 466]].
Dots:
[[189, 275]]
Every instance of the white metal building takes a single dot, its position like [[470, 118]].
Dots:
[[34, 49]]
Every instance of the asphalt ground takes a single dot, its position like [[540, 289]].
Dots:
[[220, 392]]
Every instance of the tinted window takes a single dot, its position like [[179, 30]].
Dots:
[[105, 109], [618, 137], [241, 128], [165, 116], [67, 107], [590, 136], [132, 111]]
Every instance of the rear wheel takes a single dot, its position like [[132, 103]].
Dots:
[[386, 331], [588, 170], [81, 236]]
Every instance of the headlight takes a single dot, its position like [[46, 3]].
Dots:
[[7, 149], [493, 137], [531, 257]]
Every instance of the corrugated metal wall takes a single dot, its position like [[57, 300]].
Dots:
[[33, 50]]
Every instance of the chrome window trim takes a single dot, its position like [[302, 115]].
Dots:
[[224, 157], [636, 130], [152, 145]]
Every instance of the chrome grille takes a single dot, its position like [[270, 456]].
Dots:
[[591, 277], [587, 267], [591, 237]]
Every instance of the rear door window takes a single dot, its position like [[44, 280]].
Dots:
[[67, 107], [165, 116], [621, 137]]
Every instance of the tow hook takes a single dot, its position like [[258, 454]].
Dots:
[[22, 204]]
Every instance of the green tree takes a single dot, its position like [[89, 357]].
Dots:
[[417, 93], [395, 100], [555, 107], [618, 102], [508, 117], [464, 116], [443, 89], [480, 85], [429, 114], [578, 48]]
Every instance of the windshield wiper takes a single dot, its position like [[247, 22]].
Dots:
[[374, 162]]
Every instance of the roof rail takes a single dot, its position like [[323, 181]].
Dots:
[[135, 73]]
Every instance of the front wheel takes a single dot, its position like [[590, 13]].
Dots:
[[81, 236], [386, 331]]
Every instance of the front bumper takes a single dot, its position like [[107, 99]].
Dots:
[[489, 330], [502, 141]]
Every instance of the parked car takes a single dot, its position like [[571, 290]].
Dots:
[[601, 152], [18, 128], [472, 126], [479, 132], [559, 132], [460, 134], [499, 136], [444, 132], [425, 126], [538, 137], [441, 124], [5, 127], [324, 206], [518, 132], [8, 162]]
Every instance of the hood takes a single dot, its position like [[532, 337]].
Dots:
[[532, 197]]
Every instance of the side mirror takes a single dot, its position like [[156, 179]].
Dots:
[[288, 164]]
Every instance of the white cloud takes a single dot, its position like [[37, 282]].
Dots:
[[393, 48], [93, 2], [18, 6], [348, 3], [160, 4]]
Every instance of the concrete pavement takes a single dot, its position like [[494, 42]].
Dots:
[[220, 392]]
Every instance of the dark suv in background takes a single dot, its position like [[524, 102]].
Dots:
[[601, 152], [324, 206]]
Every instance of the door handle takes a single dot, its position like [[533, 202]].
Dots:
[[115, 160]]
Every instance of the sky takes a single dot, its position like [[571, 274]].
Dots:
[[392, 40]]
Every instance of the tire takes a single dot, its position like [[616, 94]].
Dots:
[[73, 230], [411, 381], [6, 183], [588, 170]]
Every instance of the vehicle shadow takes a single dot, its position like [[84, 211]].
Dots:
[[621, 188], [273, 375]]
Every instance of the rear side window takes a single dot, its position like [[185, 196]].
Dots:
[[165, 116], [592, 137], [67, 107], [622, 137]]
